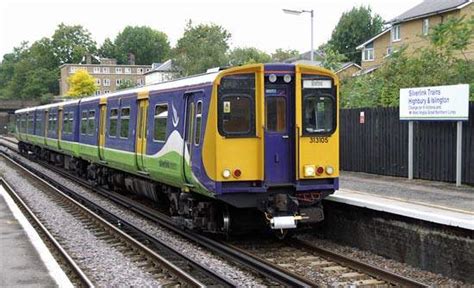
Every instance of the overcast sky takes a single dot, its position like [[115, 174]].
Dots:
[[252, 23]]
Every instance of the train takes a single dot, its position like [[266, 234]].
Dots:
[[232, 149]]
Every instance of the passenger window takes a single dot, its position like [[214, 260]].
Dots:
[[124, 122], [113, 123], [71, 122], [91, 123], [160, 122], [84, 123], [276, 114], [39, 123], [65, 122], [236, 111], [197, 135], [30, 124]]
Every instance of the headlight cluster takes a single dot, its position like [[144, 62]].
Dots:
[[315, 170]]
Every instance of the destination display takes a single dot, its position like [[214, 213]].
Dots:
[[435, 103]]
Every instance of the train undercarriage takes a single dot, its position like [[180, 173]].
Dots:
[[192, 210]]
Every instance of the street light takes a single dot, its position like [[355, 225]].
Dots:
[[298, 12]]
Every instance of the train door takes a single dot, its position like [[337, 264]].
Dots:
[[279, 155], [103, 112], [192, 134], [140, 146], [59, 126]]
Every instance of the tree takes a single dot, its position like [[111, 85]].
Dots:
[[241, 56], [81, 84], [148, 45], [332, 59], [108, 49], [281, 55], [127, 83], [454, 34], [201, 47], [72, 43], [354, 28]]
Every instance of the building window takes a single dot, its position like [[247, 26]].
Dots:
[[396, 33], [147, 69], [106, 82], [389, 50], [139, 82], [139, 70], [96, 70], [425, 26], [97, 81], [105, 70], [128, 70], [72, 70], [113, 122], [124, 122], [368, 54], [106, 91], [118, 82], [118, 70], [97, 93], [160, 121]]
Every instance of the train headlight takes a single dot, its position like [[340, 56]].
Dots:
[[329, 170], [287, 78], [226, 173], [272, 78], [309, 171]]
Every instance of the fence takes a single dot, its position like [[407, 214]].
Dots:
[[380, 145]]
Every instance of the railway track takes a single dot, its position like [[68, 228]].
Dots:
[[73, 271], [167, 273], [289, 269]]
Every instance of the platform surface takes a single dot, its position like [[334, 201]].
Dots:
[[24, 260], [437, 202]]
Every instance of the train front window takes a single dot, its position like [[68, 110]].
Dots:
[[236, 110], [318, 114]]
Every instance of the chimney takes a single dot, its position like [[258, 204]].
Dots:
[[88, 59], [131, 59]]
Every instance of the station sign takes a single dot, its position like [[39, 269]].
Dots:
[[435, 103]]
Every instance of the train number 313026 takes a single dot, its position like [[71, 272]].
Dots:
[[318, 140]]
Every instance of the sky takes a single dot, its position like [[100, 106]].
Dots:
[[252, 23]]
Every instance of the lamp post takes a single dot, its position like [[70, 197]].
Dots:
[[298, 12]]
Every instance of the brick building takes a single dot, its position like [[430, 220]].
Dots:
[[411, 28], [108, 74]]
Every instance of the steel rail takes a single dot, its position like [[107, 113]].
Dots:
[[368, 269], [168, 266], [83, 279]]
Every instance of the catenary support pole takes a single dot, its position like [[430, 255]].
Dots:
[[459, 154], [410, 150]]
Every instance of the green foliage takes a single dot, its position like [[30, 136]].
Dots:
[[241, 56], [32, 71], [71, 43], [453, 34], [46, 98], [81, 84], [429, 67], [108, 49], [332, 59], [354, 28], [148, 45], [281, 55], [201, 47], [127, 83]]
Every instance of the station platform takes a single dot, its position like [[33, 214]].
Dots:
[[436, 202], [24, 259]]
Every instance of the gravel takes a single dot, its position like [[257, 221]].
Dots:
[[104, 265], [223, 267], [403, 269]]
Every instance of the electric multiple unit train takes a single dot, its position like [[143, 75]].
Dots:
[[229, 149]]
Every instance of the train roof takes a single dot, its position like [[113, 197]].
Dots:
[[182, 82]]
